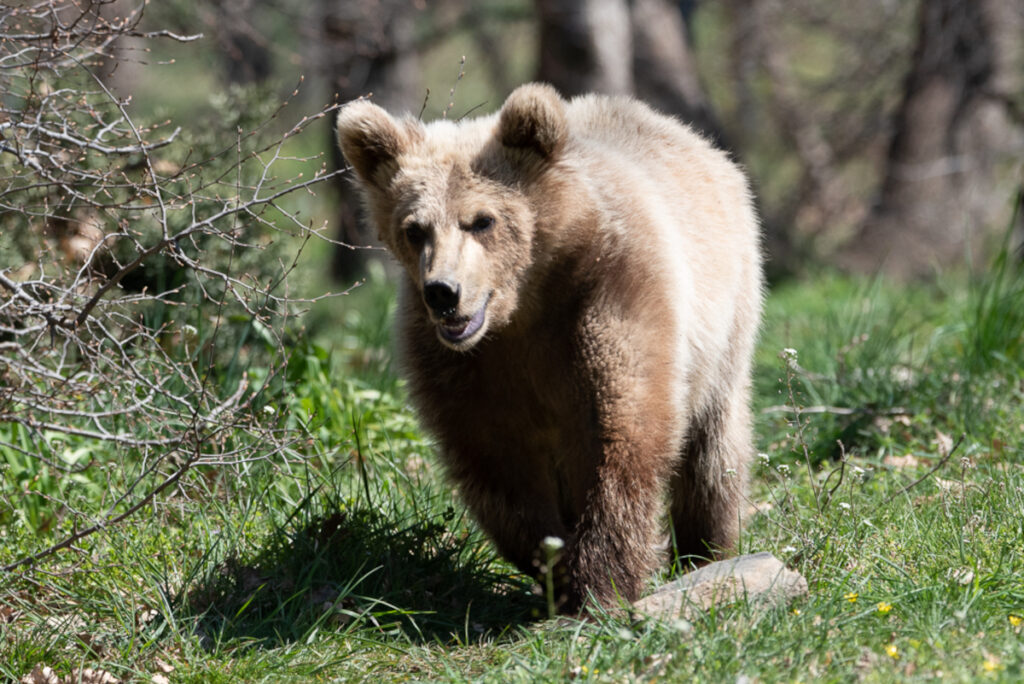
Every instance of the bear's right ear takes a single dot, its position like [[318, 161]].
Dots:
[[371, 141], [533, 119]]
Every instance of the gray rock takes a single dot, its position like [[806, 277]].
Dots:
[[758, 577]]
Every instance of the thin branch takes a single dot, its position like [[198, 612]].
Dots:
[[838, 410], [931, 472], [131, 510]]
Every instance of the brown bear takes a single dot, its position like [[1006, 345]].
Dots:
[[581, 294]]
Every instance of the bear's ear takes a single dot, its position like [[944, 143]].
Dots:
[[533, 119], [371, 141]]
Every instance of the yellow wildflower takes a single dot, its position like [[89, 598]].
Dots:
[[991, 664], [892, 651], [796, 611], [883, 607], [1015, 620], [851, 596]]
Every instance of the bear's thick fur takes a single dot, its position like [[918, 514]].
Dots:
[[581, 297]]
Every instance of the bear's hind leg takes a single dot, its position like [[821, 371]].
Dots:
[[709, 485]]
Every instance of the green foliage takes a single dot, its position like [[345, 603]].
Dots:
[[871, 359], [356, 559]]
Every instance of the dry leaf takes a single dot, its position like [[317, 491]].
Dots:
[[8, 614], [91, 676], [654, 665], [41, 674], [962, 576], [146, 615], [162, 666], [905, 461]]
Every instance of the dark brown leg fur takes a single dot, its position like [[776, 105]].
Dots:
[[516, 521], [708, 487], [614, 549], [610, 553]]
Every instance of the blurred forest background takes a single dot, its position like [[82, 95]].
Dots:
[[882, 134]]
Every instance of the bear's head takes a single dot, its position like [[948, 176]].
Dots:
[[452, 202]]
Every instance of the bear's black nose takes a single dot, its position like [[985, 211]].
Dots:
[[441, 296]]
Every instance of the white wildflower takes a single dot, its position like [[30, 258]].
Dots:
[[552, 544]]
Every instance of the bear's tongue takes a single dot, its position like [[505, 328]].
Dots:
[[458, 329]]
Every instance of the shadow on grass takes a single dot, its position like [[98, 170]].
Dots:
[[356, 570]]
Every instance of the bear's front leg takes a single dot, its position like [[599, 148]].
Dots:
[[518, 511], [613, 550], [637, 432]]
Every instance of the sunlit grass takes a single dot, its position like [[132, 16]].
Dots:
[[358, 562]]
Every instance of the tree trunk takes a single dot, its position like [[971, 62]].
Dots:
[[244, 51], [940, 198], [664, 68], [615, 47], [586, 46], [366, 47]]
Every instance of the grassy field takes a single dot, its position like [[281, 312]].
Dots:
[[891, 425]]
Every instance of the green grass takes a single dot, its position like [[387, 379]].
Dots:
[[356, 562]]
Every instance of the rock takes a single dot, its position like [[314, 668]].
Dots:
[[758, 577]]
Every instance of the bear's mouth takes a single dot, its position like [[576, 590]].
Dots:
[[457, 329]]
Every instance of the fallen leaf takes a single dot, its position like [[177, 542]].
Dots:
[[655, 664], [91, 676], [41, 674], [962, 576], [905, 461], [146, 616], [162, 666]]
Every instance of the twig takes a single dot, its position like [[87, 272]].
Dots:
[[837, 410], [933, 470], [451, 93], [145, 500], [841, 469], [423, 107], [789, 358], [86, 365]]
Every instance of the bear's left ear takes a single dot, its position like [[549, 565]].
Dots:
[[533, 119], [371, 141]]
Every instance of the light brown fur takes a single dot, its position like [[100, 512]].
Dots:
[[596, 358]]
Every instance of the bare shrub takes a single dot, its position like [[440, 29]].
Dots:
[[144, 293]]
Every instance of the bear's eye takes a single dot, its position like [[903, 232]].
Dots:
[[481, 223], [415, 234]]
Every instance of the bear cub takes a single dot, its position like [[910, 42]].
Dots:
[[582, 289]]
